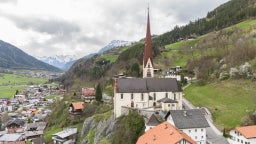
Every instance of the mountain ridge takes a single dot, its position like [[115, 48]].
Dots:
[[12, 57]]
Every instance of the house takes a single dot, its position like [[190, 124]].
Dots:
[[12, 138], [167, 104], [35, 131], [192, 122], [243, 135], [88, 94], [20, 98], [143, 93], [76, 108], [165, 133], [15, 126], [152, 122], [67, 136]]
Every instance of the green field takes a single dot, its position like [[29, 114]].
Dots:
[[9, 83], [229, 101]]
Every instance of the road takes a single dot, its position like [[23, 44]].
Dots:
[[214, 135]]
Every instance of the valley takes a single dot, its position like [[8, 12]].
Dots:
[[133, 92]]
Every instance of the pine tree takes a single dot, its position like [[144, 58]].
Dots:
[[98, 94]]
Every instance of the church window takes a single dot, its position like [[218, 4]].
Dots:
[[122, 96], [154, 96], [131, 95], [174, 96], [142, 97], [148, 73], [166, 95]]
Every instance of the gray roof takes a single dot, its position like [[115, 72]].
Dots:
[[167, 100], [141, 85], [188, 119], [11, 137], [153, 121], [19, 122], [66, 132], [38, 126]]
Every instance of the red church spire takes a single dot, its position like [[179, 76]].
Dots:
[[148, 45]]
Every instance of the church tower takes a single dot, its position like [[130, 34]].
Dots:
[[148, 69]]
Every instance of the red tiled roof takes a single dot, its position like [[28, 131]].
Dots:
[[88, 91], [247, 131], [165, 133], [78, 105]]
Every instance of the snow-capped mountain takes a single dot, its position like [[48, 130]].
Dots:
[[114, 44], [58, 60]]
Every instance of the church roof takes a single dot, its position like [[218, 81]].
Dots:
[[148, 45], [140, 85]]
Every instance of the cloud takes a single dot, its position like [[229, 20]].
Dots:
[[8, 1], [52, 26], [48, 27]]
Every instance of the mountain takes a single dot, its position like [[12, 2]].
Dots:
[[207, 34], [12, 57], [114, 44], [59, 61]]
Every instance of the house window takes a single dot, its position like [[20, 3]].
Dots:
[[242, 141], [202, 130], [166, 95], [148, 65], [189, 131], [173, 105], [195, 130], [142, 97], [122, 96], [202, 137], [174, 96], [154, 96], [169, 105], [132, 96]]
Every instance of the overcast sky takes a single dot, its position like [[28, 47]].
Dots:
[[80, 27]]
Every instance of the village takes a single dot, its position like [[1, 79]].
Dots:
[[168, 116]]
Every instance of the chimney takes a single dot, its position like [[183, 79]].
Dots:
[[171, 132], [154, 137], [185, 113], [166, 126]]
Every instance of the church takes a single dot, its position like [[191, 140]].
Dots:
[[157, 94]]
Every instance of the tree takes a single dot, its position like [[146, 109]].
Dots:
[[98, 94]]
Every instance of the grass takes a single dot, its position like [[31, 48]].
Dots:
[[50, 132], [111, 57], [9, 83], [9, 91], [229, 101], [180, 44], [53, 96], [13, 79]]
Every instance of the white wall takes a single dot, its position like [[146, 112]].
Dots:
[[145, 69], [145, 103], [235, 136], [197, 134]]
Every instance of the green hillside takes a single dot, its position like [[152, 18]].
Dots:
[[218, 50], [229, 101], [10, 83]]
